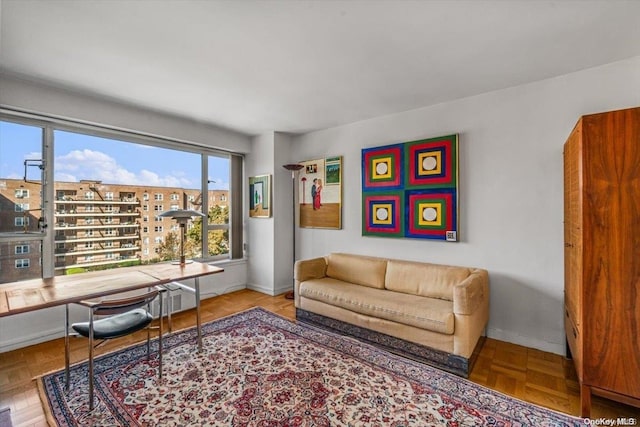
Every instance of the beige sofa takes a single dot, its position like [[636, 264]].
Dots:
[[433, 313]]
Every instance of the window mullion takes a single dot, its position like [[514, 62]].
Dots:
[[205, 205], [48, 208]]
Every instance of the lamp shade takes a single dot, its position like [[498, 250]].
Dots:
[[293, 167], [181, 213]]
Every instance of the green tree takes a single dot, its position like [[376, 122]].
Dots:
[[169, 249], [218, 239]]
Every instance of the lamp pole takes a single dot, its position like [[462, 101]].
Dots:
[[182, 216], [294, 167], [183, 227]]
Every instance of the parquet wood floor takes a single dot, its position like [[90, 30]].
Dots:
[[542, 378]]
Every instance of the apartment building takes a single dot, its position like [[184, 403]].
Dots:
[[95, 224]]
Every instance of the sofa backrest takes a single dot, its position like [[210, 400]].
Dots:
[[428, 280], [358, 269]]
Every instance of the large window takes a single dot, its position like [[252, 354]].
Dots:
[[218, 207], [114, 177], [21, 148]]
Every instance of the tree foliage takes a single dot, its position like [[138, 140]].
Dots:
[[169, 249], [218, 239]]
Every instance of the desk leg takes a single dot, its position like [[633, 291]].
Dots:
[[66, 346], [198, 319]]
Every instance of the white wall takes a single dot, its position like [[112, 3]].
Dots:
[[511, 189], [44, 99], [260, 231], [269, 240]]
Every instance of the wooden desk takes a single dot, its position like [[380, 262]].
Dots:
[[172, 274], [36, 294]]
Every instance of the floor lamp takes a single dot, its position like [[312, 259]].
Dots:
[[294, 167], [182, 216]]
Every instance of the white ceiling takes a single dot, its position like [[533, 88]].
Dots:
[[295, 66]]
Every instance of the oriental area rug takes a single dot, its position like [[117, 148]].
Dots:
[[259, 369]]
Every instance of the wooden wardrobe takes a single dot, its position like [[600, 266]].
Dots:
[[602, 255]]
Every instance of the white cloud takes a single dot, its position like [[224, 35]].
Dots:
[[95, 165], [66, 177], [34, 155], [153, 179], [219, 184], [85, 160]]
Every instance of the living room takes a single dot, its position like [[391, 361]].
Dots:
[[512, 121]]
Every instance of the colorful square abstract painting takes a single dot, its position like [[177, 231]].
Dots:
[[383, 213], [382, 168], [411, 189]]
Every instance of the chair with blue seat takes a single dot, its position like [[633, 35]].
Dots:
[[121, 317]]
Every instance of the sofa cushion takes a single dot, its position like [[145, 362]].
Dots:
[[361, 270], [427, 280], [427, 313]]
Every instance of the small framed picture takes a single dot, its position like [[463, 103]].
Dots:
[[260, 196]]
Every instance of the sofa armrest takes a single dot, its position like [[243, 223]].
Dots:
[[315, 268], [472, 293]]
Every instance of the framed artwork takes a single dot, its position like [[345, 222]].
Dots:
[[411, 189], [320, 193], [260, 196]]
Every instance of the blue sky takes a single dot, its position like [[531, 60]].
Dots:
[[79, 156]]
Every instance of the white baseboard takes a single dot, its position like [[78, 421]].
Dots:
[[269, 291], [31, 339], [261, 289], [227, 290]]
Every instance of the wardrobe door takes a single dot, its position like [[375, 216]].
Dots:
[[573, 245], [611, 258]]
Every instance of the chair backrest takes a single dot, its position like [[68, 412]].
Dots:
[[116, 306]]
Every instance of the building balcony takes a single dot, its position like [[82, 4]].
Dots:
[[68, 226], [75, 239], [114, 213], [117, 260], [94, 251], [84, 200]]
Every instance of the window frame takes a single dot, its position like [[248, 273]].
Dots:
[[20, 249], [21, 221], [49, 124], [24, 263], [21, 193]]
